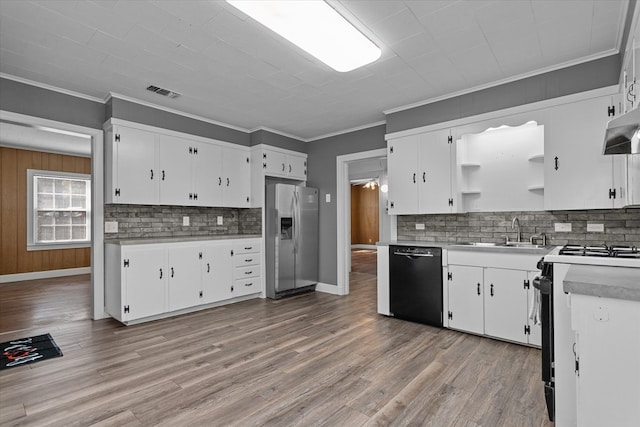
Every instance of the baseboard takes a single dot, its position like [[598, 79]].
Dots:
[[362, 246], [34, 275], [328, 289]]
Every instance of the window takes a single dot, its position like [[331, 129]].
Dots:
[[59, 207]]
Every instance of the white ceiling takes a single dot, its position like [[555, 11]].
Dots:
[[230, 69]]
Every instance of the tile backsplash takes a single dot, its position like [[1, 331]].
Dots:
[[144, 221], [621, 227]]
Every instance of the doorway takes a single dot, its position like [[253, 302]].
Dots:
[[369, 165], [95, 152]]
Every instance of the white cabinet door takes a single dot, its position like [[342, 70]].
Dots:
[[217, 272], [145, 282], [434, 173], [505, 304], [184, 277], [402, 165], [466, 310], [236, 180], [535, 331], [175, 171], [135, 168], [297, 167], [274, 163], [577, 174], [206, 175]]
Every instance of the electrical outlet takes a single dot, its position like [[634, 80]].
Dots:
[[419, 226], [563, 227], [111, 226], [185, 221], [220, 220], [595, 228], [327, 198]]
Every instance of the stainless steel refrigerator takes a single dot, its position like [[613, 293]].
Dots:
[[291, 239]]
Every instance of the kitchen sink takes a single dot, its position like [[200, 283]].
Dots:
[[514, 245]]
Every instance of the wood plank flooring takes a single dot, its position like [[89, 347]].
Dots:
[[310, 360]]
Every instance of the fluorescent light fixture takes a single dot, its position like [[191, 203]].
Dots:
[[317, 28]]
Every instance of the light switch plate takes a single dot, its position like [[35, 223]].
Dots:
[[419, 226], [595, 228], [563, 227], [220, 219], [185, 221], [111, 226], [327, 198]]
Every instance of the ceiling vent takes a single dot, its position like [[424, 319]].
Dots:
[[163, 92]]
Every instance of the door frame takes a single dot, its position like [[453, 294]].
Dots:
[[97, 200], [343, 208]]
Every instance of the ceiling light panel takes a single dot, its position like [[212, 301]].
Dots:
[[315, 27]]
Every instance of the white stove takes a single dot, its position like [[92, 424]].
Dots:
[[612, 256]]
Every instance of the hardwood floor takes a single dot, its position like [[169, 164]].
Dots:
[[364, 261], [310, 360]]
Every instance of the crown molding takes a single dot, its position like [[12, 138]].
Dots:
[[503, 81], [277, 132], [51, 88], [342, 132]]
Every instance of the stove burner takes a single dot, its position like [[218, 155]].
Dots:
[[601, 251]]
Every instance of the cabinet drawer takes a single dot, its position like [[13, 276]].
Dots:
[[243, 260], [246, 286], [246, 247], [245, 272]]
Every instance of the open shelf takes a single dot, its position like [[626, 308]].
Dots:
[[469, 165], [536, 158], [536, 188], [466, 192]]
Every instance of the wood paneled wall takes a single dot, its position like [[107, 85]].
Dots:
[[14, 257], [364, 215]]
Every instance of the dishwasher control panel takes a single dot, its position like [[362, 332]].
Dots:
[[415, 251]]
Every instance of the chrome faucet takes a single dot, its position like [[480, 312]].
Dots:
[[516, 224]]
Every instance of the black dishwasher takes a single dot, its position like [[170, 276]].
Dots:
[[415, 284]]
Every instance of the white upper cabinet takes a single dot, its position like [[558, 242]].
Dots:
[[402, 166], [132, 166], [422, 173], [577, 174], [155, 167], [284, 164], [176, 155], [236, 178]]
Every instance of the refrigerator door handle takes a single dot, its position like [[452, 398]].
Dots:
[[296, 218]]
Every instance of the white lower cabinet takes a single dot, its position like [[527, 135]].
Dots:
[[155, 280], [184, 277], [466, 309], [217, 272], [144, 266], [488, 299]]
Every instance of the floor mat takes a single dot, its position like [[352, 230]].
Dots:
[[28, 350]]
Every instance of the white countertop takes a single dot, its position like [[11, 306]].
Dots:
[[149, 241], [462, 247], [603, 281]]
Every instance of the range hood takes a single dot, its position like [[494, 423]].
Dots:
[[623, 134]]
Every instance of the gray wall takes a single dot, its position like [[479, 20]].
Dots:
[[622, 227], [35, 101], [322, 175], [262, 136], [566, 81], [127, 110]]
